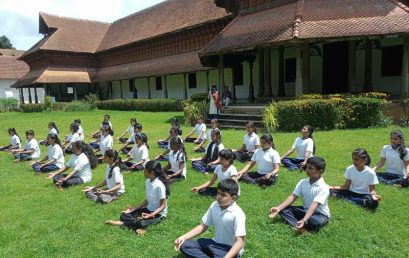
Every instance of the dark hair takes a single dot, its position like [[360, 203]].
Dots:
[[107, 116], [310, 131], [218, 135], [53, 125], [78, 121], [88, 151], [138, 126], [175, 122], [133, 120], [176, 130], [181, 149], [13, 130], [229, 186], [317, 162], [363, 154], [401, 147], [268, 138], [108, 129], [30, 132], [200, 118], [252, 125], [55, 138], [74, 127], [155, 166], [111, 153], [227, 154], [215, 120]]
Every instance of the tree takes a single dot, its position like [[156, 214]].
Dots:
[[5, 43]]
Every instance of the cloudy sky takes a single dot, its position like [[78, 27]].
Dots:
[[19, 18]]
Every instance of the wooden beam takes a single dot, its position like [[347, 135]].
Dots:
[[299, 78], [251, 86], [149, 88], [281, 84], [166, 86], [261, 72], [267, 73], [352, 85], [405, 69], [368, 66], [35, 95], [221, 73]]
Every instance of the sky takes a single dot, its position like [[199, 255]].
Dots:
[[19, 18]]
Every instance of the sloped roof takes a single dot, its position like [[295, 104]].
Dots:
[[165, 17], [311, 20], [69, 34], [10, 67], [181, 63]]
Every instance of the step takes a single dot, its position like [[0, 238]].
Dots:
[[241, 123], [255, 117]]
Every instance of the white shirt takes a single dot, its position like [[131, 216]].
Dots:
[[33, 145], [115, 178], [181, 140], [132, 138], [221, 175], [155, 191], [14, 141], [316, 192], [251, 141], [228, 223], [53, 131], [175, 163], [81, 164], [73, 137], [265, 160], [55, 152], [393, 163], [129, 129], [200, 128], [360, 181], [105, 143], [209, 134], [81, 132], [220, 147], [139, 153], [109, 123], [303, 145]]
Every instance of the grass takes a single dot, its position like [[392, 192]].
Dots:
[[36, 220]]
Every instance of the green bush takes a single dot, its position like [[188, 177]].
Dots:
[[78, 106], [198, 97], [270, 118], [47, 103], [8, 104], [59, 106], [92, 100], [152, 105], [194, 110], [375, 95], [30, 108]]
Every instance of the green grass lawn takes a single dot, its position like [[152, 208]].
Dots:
[[36, 220]]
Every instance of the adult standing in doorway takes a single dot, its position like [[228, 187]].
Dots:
[[215, 104]]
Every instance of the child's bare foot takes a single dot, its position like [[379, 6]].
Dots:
[[398, 186], [16, 161], [114, 222], [299, 230], [140, 232]]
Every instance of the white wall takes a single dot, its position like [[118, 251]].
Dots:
[[5, 86]]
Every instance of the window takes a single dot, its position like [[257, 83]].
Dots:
[[158, 83], [290, 69], [192, 81], [392, 61], [131, 85], [238, 75]]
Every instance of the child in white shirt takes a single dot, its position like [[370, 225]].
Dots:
[[251, 142], [31, 150], [139, 155], [54, 160], [129, 130], [15, 141], [200, 130], [210, 160], [175, 170]]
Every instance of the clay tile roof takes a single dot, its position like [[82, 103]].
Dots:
[[165, 17], [10, 67], [181, 63], [69, 34], [311, 20]]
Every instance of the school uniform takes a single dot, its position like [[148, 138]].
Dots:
[[81, 132], [116, 177], [358, 192], [71, 138], [82, 166], [15, 143], [137, 154], [105, 143], [221, 175], [208, 139], [54, 152], [174, 160], [128, 130], [265, 161], [166, 157], [229, 223], [301, 146], [315, 192], [199, 128], [30, 145], [394, 167], [212, 154], [250, 141], [155, 192]]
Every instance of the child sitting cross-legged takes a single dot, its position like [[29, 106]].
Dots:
[[229, 223], [314, 213]]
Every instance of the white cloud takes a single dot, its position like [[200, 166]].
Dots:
[[19, 18]]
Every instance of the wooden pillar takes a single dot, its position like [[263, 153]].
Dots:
[[166, 85], [97, 90], [352, 86], [221, 73], [35, 95], [251, 86], [306, 67], [405, 69], [368, 66], [74, 87], [299, 78], [59, 92], [267, 73], [121, 90], [207, 81], [22, 95], [233, 86], [281, 83], [149, 88], [185, 86], [260, 72], [110, 90], [30, 100]]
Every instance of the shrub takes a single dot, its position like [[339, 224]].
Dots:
[[270, 118], [363, 113], [8, 104], [92, 100], [59, 106], [30, 108], [193, 110], [197, 97], [78, 106], [47, 103], [153, 105]]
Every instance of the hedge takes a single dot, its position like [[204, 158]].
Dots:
[[30, 108], [153, 105], [8, 104]]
